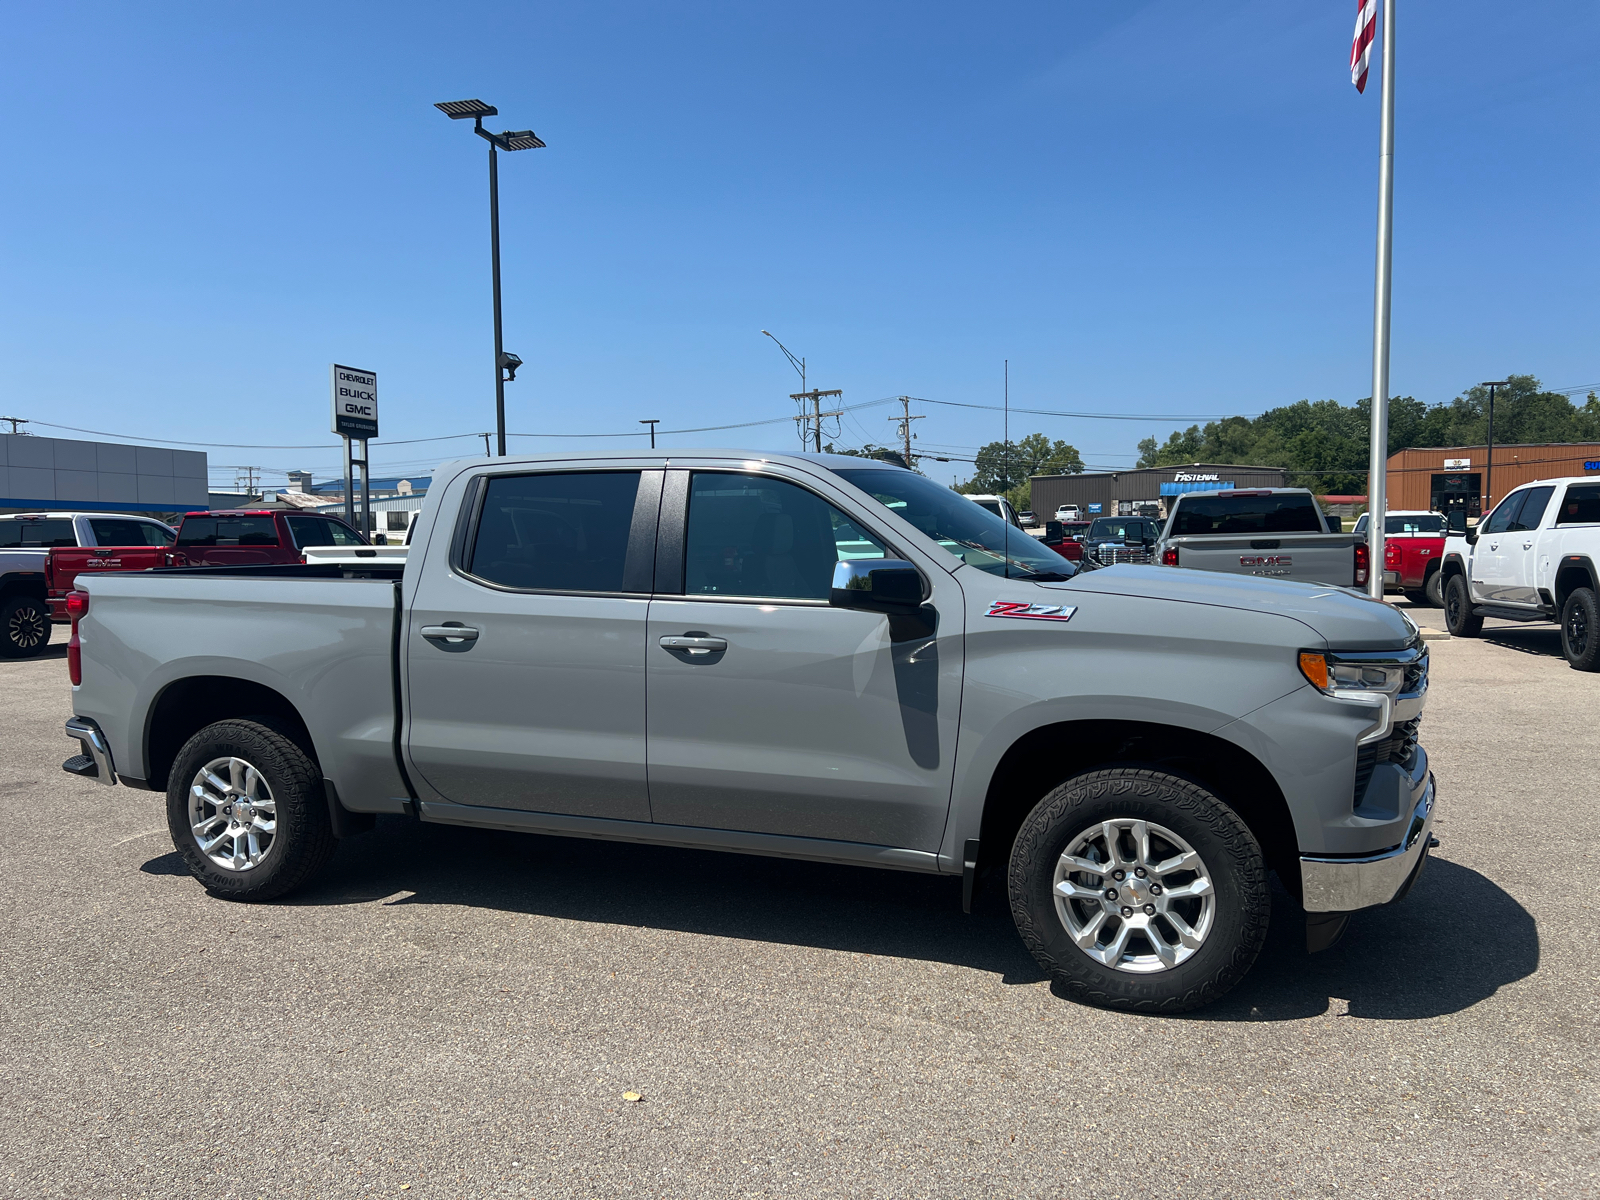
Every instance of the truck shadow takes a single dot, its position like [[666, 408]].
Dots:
[[1412, 961], [1542, 641]]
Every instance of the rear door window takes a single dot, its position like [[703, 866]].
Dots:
[[119, 531], [320, 531], [1247, 514], [36, 535], [1580, 506], [558, 532], [228, 531]]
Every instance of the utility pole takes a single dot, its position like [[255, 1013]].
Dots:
[[652, 422], [905, 427], [487, 453], [15, 421], [244, 479], [814, 417], [1488, 479]]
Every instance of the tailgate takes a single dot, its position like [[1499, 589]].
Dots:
[[66, 563], [1301, 557]]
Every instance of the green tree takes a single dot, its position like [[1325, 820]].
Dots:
[[1003, 468]]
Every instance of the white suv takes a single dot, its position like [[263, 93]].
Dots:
[[1532, 559]]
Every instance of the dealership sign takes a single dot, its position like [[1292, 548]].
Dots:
[[1457, 464], [355, 401]]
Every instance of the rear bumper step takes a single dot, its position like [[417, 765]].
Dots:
[[95, 761]]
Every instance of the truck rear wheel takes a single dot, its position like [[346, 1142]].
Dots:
[[1433, 589], [1580, 630], [1458, 616], [24, 627], [247, 811], [1139, 890]]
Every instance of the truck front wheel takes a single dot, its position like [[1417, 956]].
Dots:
[[247, 811], [1580, 630], [1139, 890], [1458, 615], [24, 627]]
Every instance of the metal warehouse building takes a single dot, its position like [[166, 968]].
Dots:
[[1146, 490], [42, 473], [1446, 478]]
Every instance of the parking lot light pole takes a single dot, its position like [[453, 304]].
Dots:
[[505, 365], [1488, 467]]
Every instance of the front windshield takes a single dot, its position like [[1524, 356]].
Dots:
[[969, 531], [1111, 528]]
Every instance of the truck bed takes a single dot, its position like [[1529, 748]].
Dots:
[[320, 637]]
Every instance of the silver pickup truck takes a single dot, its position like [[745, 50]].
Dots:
[[816, 657], [1275, 533]]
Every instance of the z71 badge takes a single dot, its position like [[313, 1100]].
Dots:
[[1032, 612]]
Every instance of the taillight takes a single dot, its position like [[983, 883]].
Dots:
[[77, 604], [1363, 562], [74, 658], [1391, 555], [1169, 557]]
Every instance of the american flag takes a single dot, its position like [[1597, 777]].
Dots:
[[1361, 44]]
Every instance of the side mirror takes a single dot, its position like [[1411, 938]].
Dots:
[[885, 585], [1471, 534]]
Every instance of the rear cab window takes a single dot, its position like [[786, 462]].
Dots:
[[228, 531], [1247, 513], [120, 531]]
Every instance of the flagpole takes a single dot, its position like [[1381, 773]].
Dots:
[[1378, 462]]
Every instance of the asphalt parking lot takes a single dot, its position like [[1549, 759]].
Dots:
[[451, 1013]]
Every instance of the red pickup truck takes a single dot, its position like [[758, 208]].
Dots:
[[64, 563], [1413, 551], [257, 537]]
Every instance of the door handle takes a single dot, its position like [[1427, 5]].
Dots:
[[1494, 545], [1527, 545], [449, 633], [694, 645]]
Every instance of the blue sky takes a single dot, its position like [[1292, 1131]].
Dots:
[[1148, 207]]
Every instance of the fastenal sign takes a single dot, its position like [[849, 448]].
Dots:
[[355, 401]]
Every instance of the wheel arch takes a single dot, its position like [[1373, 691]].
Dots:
[[1575, 571], [1049, 755], [186, 706]]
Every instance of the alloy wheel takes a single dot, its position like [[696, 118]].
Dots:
[[232, 814], [28, 627], [1134, 896], [1577, 631]]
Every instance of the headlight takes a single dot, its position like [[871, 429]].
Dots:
[[1334, 675]]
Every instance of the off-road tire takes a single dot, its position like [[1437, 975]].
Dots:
[[24, 627], [1458, 615], [304, 839], [1231, 855], [1433, 588], [1580, 630]]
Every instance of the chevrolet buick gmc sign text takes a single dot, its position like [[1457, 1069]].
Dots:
[[355, 401]]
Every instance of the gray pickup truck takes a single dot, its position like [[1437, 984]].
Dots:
[[1274, 533], [816, 657]]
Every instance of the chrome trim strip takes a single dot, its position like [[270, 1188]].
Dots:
[[87, 732], [1348, 884]]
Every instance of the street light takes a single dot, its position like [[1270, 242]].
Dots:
[[652, 422], [799, 364], [1488, 475], [505, 365]]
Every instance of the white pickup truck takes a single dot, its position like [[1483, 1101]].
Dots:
[[809, 656], [1533, 558]]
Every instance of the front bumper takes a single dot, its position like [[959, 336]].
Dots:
[[1347, 884]]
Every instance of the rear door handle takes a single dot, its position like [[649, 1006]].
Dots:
[[450, 633], [694, 645]]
